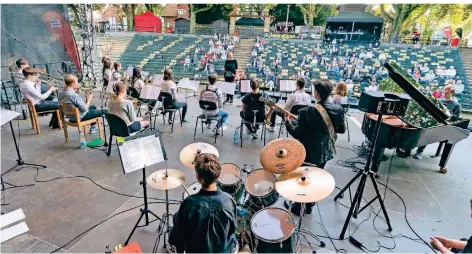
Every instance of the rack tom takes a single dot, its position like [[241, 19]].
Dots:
[[260, 184], [230, 179], [273, 230]]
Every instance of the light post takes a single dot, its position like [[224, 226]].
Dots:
[[286, 21]]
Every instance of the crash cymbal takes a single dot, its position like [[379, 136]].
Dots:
[[305, 185], [282, 155], [190, 152], [159, 180]]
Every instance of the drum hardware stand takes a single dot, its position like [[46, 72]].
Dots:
[[303, 231], [144, 212], [164, 227], [355, 209]]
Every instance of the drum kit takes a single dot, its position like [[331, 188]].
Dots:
[[261, 225]]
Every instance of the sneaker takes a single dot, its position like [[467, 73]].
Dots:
[[170, 121], [209, 126], [418, 156], [93, 129], [270, 129], [217, 131], [254, 135]]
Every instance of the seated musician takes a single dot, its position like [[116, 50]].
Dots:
[[213, 94], [316, 129], [206, 221], [70, 95], [29, 89], [136, 82], [168, 86], [251, 102], [445, 245], [340, 94], [300, 97], [452, 105], [124, 109], [116, 71], [21, 64]]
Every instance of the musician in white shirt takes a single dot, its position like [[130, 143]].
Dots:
[[28, 87], [300, 97], [168, 86]]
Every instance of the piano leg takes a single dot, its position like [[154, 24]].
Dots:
[[445, 157], [438, 152]]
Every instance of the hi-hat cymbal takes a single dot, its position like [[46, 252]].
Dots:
[[282, 155], [305, 185], [159, 180], [190, 152]]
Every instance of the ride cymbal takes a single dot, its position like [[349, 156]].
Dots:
[[282, 155], [159, 180], [190, 152], [305, 185]]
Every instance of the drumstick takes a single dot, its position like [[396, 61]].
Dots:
[[186, 190]]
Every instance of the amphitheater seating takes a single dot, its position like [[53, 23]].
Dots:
[[156, 52]]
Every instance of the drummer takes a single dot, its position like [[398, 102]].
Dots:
[[206, 221]]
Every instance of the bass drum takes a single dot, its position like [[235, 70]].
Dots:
[[260, 184], [193, 188], [273, 230]]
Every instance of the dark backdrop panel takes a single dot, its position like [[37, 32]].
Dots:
[[26, 22]]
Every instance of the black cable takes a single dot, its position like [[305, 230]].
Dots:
[[98, 224], [91, 180], [326, 232]]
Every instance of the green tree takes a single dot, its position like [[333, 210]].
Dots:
[[194, 9], [311, 12], [216, 12], [396, 14], [155, 9], [255, 9], [279, 13]]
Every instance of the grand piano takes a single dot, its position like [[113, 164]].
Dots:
[[427, 122]]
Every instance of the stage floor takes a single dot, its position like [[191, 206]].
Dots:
[[58, 211]]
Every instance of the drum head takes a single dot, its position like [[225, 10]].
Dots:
[[272, 224], [230, 174], [194, 188], [260, 183]]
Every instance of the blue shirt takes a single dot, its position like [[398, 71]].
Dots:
[[69, 96]]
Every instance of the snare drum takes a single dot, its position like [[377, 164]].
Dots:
[[194, 188], [273, 228], [260, 184], [230, 179]]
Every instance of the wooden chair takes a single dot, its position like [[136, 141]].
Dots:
[[66, 109], [34, 116]]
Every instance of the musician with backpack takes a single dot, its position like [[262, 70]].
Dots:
[[212, 94]]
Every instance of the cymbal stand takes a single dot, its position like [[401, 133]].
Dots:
[[164, 227], [302, 231], [144, 212], [355, 209]]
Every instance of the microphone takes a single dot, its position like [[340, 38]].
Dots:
[[356, 243]]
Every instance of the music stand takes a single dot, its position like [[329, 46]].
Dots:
[[137, 152], [8, 116]]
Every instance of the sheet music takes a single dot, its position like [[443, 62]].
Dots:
[[157, 79], [129, 71], [7, 115], [245, 86], [226, 87], [288, 85], [150, 92], [110, 86], [189, 84], [140, 152]]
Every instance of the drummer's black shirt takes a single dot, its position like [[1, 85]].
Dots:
[[205, 223]]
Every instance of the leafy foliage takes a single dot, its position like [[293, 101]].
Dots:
[[415, 114], [216, 12]]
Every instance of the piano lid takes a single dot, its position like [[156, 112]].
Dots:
[[432, 105]]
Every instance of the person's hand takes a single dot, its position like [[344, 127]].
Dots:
[[89, 97], [448, 243], [52, 88], [437, 245]]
